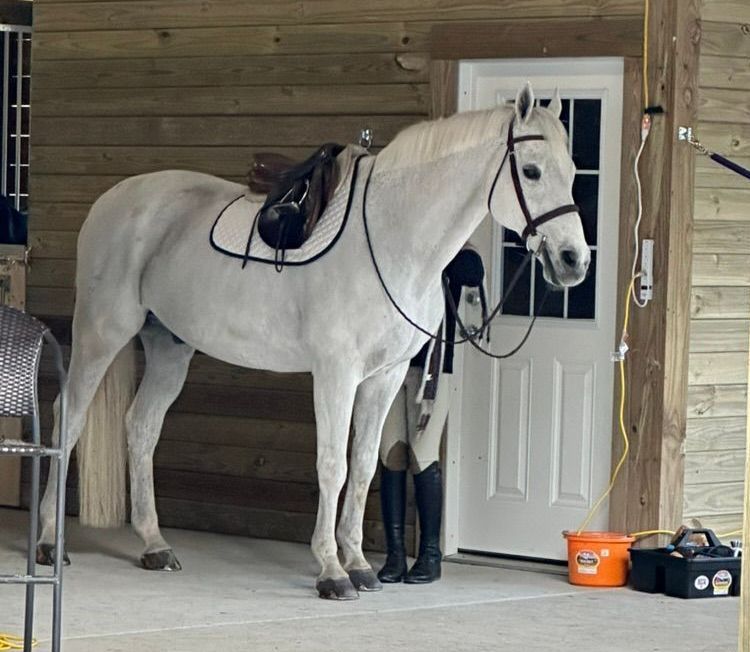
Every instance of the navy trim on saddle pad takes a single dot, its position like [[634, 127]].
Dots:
[[253, 231]]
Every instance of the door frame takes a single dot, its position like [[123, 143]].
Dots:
[[648, 495]]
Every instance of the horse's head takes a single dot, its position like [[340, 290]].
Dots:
[[528, 204]]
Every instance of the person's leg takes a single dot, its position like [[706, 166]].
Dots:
[[393, 464], [428, 488]]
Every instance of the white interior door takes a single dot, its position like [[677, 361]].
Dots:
[[530, 436]]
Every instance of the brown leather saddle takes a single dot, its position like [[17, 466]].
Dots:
[[297, 195]]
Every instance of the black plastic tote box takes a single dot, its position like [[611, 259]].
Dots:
[[655, 570]]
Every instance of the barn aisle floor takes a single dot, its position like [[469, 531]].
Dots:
[[249, 594]]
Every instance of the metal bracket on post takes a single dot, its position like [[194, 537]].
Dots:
[[685, 133]]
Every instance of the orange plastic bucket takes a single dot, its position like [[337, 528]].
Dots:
[[598, 558]]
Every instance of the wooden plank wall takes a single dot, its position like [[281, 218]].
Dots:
[[720, 307], [125, 87]]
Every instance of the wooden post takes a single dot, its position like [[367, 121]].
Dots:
[[649, 494], [744, 634]]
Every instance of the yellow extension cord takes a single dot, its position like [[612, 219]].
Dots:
[[10, 642], [623, 431]]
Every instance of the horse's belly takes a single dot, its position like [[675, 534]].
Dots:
[[259, 352], [240, 330], [245, 316]]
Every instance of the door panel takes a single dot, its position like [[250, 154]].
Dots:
[[510, 456], [572, 434]]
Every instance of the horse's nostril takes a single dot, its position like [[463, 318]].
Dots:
[[570, 258]]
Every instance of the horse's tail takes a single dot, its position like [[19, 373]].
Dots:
[[102, 448]]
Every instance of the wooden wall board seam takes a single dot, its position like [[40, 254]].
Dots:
[[618, 35], [390, 99], [597, 36], [726, 10], [172, 131], [354, 38], [219, 160], [229, 71], [113, 14]]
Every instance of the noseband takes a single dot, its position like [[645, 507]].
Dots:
[[510, 154]]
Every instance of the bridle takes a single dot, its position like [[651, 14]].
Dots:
[[528, 232], [510, 154]]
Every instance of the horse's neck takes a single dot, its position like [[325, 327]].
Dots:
[[428, 212]]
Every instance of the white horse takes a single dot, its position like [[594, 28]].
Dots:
[[144, 250]]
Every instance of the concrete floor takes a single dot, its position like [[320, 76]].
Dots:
[[247, 594]]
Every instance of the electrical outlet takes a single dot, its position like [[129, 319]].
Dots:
[[647, 271]]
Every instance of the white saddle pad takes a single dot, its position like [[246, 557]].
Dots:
[[234, 229]]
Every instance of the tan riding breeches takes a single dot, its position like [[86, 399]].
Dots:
[[401, 446]]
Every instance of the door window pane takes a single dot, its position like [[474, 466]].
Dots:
[[518, 300], [554, 301], [586, 133], [586, 195], [582, 298]]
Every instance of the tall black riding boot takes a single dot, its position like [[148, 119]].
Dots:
[[393, 505], [428, 487]]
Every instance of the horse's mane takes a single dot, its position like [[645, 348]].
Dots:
[[424, 142]]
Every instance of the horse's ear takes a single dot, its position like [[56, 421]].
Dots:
[[524, 103], [556, 104]]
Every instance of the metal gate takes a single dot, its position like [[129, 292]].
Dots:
[[15, 68]]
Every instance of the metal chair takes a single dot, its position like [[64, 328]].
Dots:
[[21, 340]]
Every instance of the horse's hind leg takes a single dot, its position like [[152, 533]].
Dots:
[[167, 363], [95, 345], [334, 392], [374, 398]]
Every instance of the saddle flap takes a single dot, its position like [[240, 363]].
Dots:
[[293, 206]]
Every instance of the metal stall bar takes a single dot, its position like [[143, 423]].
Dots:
[[9, 32], [19, 118], [6, 66]]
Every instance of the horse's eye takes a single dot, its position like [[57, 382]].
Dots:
[[532, 172]]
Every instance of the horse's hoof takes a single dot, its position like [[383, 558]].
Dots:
[[45, 555], [365, 580], [163, 560], [337, 589]]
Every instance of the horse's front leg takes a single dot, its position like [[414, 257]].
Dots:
[[334, 391], [374, 398]]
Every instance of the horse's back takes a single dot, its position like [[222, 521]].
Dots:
[[147, 192], [128, 223], [142, 209]]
